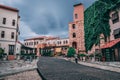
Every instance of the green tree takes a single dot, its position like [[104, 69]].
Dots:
[[71, 52]]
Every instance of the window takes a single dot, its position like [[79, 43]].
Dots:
[[76, 16], [34, 43], [66, 41], [115, 17], [73, 26], [4, 20], [74, 35], [12, 35], [13, 23], [60, 42], [37, 42], [11, 49], [31, 43], [2, 34], [116, 33]]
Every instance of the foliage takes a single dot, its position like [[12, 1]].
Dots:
[[71, 52], [96, 22], [1, 53], [82, 55]]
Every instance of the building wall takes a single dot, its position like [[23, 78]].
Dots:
[[8, 28], [57, 42], [78, 30], [18, 48], [115, 25], [112, 28]]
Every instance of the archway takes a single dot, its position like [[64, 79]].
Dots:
[[74, 45]]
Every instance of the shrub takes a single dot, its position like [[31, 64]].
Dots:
[[1, 53], [71, 52], [81, 55]]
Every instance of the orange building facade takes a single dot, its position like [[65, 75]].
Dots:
[[76, 29]]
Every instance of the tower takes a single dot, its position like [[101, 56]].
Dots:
[[76, 29]]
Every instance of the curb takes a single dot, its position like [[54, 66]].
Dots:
[[109, 68], [40, 74]]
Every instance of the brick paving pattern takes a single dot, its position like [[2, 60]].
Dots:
[[27, 75], [59, 69]]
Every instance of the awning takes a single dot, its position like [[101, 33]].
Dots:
[[117, 31], [111, 43]]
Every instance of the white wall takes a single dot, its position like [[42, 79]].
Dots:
[[8, 28]]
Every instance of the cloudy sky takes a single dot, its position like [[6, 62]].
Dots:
[[44, 17]]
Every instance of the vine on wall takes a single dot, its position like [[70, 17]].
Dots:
[[96, 21]]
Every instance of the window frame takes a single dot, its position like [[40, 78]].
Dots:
[[2, 34], [12, 35], [76, 16], [4, 21], [115, 17], [74, 35], [73, 26], [13, 22]]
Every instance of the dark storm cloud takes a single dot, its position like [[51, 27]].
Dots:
[[46, 17]]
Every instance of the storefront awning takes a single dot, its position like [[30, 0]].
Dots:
[[111, 43]]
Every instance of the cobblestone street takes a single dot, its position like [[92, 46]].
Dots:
[[27, 75], [15, 66], [59, 69]]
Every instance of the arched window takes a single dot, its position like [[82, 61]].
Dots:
[[73, 26], [74, 35], [76, 16]]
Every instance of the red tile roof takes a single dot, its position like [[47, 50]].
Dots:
[[35, 38], [111, 43], [42, 37], [9, 8]]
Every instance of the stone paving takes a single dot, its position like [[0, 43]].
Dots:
[[27, 75], [60, 69], [15, 66]]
